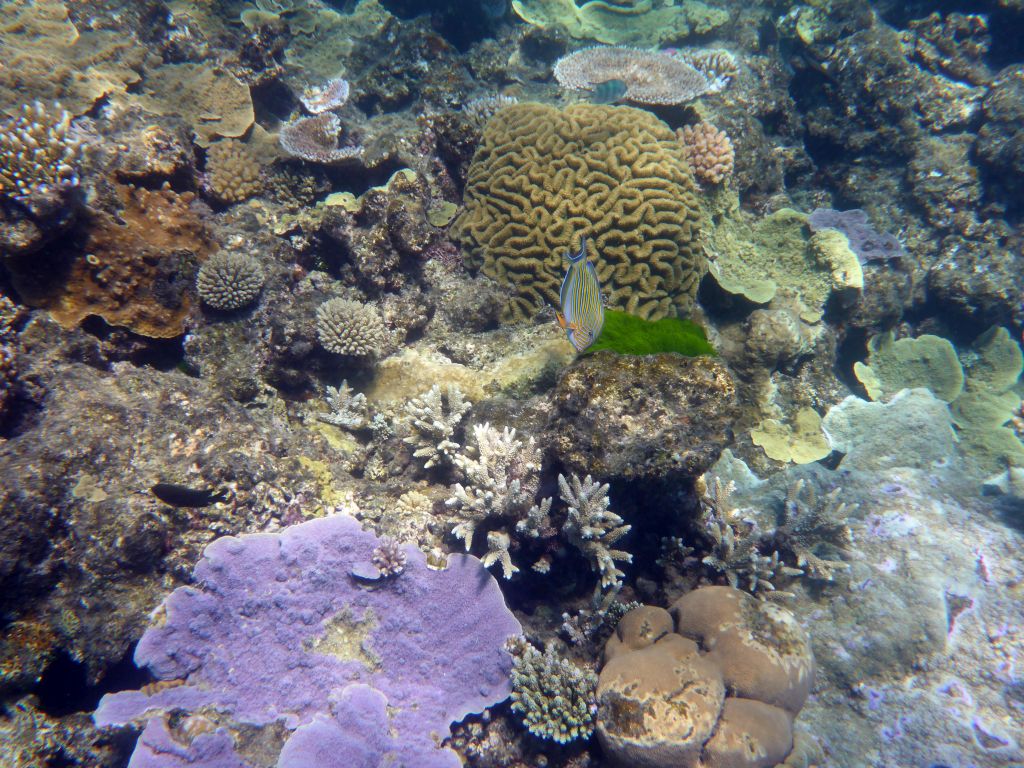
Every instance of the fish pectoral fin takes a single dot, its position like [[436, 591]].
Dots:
[[561, 320]]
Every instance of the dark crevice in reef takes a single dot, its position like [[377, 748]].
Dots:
[[460, 23], [65, 689]]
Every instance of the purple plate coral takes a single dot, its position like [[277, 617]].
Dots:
[[278, 630]]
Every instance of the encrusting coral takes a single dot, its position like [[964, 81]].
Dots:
[[709, 152], [233, 171], [650, 77], [229, 280], [434, 418], [555, 697], [529, 198], [346, 327]]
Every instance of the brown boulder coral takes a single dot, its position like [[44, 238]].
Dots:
[[654, 417], [720, 691], [543, 177]]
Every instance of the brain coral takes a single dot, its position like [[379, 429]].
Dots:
[[544, 177]]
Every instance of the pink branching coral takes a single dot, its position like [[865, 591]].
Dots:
[[331, 95], [650, 77], [708, 151], [316, 139]]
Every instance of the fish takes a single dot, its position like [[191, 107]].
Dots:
[[582, 315], [183, 496], [608, 92]]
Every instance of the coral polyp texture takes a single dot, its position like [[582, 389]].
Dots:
[[709, 152], [555, 698], [38, 151], [650, 77], [233, 171], [316, 139], [544, 177], [715, 681], [229, 280], [331, 95], [278, 633], [347, 327]]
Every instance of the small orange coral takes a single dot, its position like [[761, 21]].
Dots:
[[708, 151], [137, 269]]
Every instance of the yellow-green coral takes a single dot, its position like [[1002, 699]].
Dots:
[[802, 442], [543, 178], [637, 22], [779, 253], [927, 361]]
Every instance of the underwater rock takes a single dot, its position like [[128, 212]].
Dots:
[[655, 417], [1000, 144], [715, 681]]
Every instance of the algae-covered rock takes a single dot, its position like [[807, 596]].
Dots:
[[927, 361], [779, 253], [631, 335], [655, 417], [800, 442]]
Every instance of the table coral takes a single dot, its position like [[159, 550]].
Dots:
[[650, 77], [278, 632], [544, 177], [638, 22], [137, 268]]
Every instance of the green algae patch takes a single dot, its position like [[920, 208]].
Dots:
[[628, 334]]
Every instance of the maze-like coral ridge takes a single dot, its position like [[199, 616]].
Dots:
[[543, 178]]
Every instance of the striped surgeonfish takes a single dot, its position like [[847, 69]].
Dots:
[[582, 314]]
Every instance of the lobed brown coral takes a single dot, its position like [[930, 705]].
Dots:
[[135, 270], [544, 177], [650, 77], [715, 682], [709, 152], [233, 172]]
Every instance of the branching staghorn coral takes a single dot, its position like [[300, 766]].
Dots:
[[734, 552], [348, 410], [593, 528], [434, 420], [811, 523], [556, 698], [501, 482]]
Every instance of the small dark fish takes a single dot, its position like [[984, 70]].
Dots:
[[182, 496], [608, 92]]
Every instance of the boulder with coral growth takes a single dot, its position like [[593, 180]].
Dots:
[[654, 417]]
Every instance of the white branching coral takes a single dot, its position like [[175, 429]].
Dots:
[[734, 551], [434, 419], [593, 528], [501, 481], [811, 525], [498, 543], [348, 409]]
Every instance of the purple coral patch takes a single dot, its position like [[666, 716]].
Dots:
[[865, 240], [279, 629]]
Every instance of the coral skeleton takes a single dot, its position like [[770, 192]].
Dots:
[[434, 419], [348, 409], [593, 528], [556, 698]]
